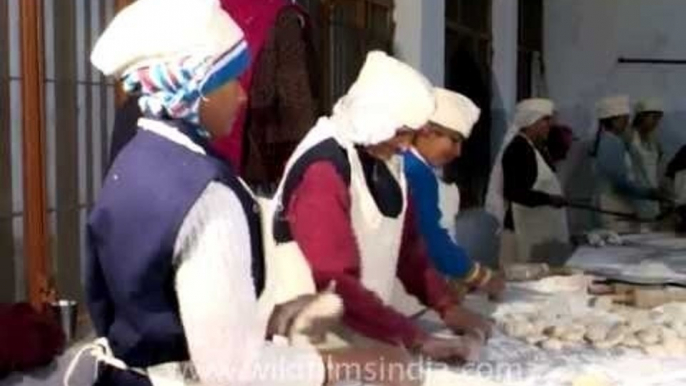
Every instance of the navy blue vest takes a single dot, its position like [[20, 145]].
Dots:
[[132, 229], [383, 187]]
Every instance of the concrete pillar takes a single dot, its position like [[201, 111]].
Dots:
[[420, 36], [505, 24]]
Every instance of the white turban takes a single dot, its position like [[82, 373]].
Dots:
[[387, 95], [455, 112], [650, 105], [613, 106], [160, 30], [527, 112]]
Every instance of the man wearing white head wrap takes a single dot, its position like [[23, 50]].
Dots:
[[340, 212], [175, 264], [524, 193], [619, 187], [650, 162], [437, 202]]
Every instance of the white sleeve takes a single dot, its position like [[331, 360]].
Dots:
[[218, 305]]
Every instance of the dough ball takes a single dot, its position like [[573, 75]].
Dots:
[[597, 332], [517, 328], [574, 334], [552, 345], [614, 338], [557, 330], [658, 317], [669, 334], [639, 320], [604, 303], [655, 350], [650, 336], [675, 346], [680, 328], [631, 341], [534, 339]]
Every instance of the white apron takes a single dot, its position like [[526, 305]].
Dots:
[[378, 240], [449, 204], [609, 200], [541, 226], [448, 198], [647, 169]]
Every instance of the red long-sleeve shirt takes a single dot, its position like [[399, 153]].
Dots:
[[320, 221]]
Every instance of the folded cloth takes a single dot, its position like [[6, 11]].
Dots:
[[28, 339]]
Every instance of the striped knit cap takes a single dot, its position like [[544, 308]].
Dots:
[[188, 49]]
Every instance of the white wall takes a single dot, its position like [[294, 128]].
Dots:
[[504, 24], [420, 36], [420, 41], [584, 39]]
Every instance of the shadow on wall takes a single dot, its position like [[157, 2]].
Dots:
[[578, 168], [576, 171], [673, 133], [500, 119], [468, 72], [475, 229]]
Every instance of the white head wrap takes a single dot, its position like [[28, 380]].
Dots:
[[455, 112], [650, 105], [527, 112], [387, 95], [613, 106], [164, 30]]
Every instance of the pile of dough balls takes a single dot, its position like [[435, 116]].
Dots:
[[657, 333], [602, 237]]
